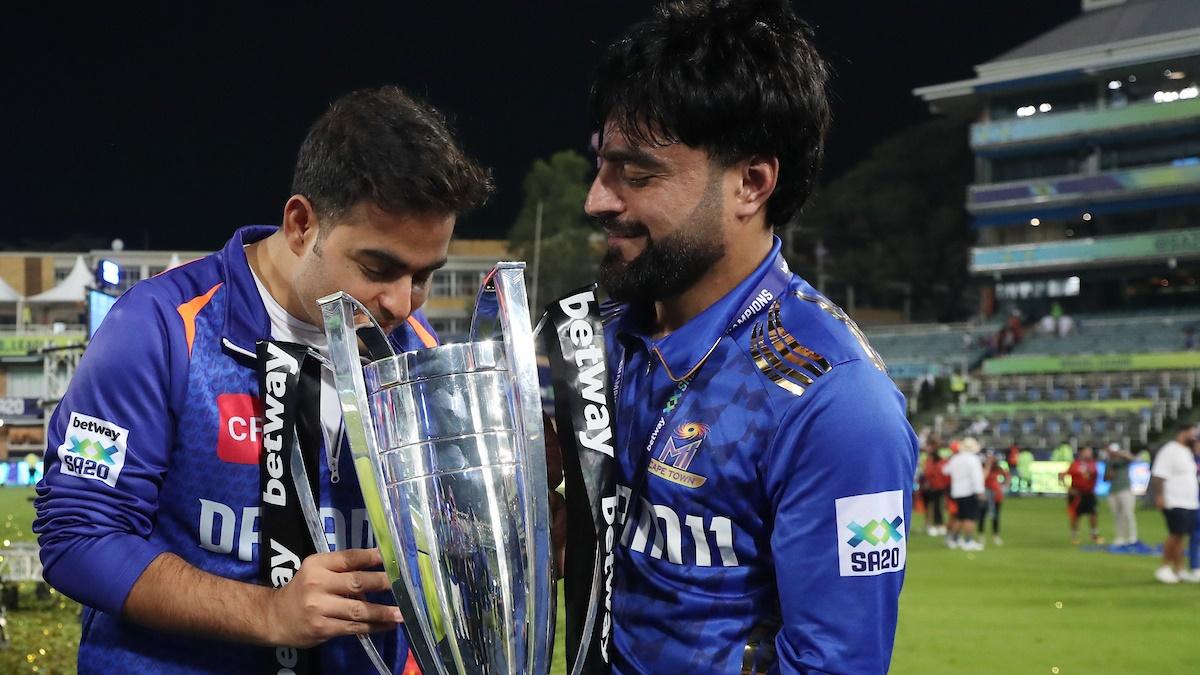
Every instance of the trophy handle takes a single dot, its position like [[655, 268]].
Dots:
[[503, 294], [338, 311]]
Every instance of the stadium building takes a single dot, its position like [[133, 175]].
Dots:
[[1086, 207], [1087, 162]]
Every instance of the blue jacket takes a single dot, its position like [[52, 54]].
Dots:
[[155, 448], [766, 499]]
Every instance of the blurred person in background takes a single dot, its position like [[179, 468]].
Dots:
[[995, 482], [966, 489], [1120, 494], [1062, 453], [935, 483], [1081, 493], [1193, 575], [1014, 461], [1176, 493]]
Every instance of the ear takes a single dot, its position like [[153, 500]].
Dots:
[[299, 224], [757, 177]]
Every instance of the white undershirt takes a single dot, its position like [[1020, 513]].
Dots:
[[288, 328]]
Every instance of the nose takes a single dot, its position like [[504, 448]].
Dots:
[[602, 200], [396, 302]]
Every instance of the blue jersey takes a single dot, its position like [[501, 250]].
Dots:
[[765, 498], [155, 448]]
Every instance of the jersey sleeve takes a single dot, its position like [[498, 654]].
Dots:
[[839, 477], [107, 450]]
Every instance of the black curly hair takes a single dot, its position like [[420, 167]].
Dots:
[[737, 78]]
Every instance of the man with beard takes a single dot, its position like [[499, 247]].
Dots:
[[764, 460]]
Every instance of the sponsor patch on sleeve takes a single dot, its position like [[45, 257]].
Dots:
[[93, 448], [871, 533]]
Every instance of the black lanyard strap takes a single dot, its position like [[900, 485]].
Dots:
[[584, 415], [290, 386]]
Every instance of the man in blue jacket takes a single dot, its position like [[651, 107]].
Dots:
[[764, 460], [149, 511]]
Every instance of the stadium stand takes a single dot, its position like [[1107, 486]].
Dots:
[[1129, 332], [1121, 377], [947, 345], [918, 353]]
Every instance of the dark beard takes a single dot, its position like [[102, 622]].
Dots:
[[671, 265]]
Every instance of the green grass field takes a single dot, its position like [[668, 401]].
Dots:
[[1039, 605], [43, 633], [1035, 605]]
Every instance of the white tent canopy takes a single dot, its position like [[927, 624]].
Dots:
[[71, 289], [8, 293]]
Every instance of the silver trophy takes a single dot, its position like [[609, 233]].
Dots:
[[449, 450]]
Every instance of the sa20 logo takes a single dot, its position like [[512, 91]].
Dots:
[[875, 534]]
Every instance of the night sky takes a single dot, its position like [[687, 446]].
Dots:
[[171, 127]]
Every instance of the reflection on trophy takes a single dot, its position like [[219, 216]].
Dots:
[[449, 450]]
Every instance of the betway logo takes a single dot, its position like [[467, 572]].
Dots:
[[275, 384], [609, 506], [95, 428], [591, 380]]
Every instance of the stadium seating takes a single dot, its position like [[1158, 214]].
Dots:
[[1176, 387], [914, 351], [1041, 411], [948, 345], [1041, 430], [1121, 333]]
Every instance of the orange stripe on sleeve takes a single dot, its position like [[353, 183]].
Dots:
[[189, 310], [426, 339]]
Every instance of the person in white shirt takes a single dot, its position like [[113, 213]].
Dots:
[[966, 488], [1173, 480]]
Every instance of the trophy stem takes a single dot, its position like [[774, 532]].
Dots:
[[509, 281], [338, 313]]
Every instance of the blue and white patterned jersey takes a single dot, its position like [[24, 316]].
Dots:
[[770, 496], [155, 448]]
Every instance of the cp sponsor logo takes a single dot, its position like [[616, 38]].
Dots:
[[93, 448], [239, 438], [871, 533]]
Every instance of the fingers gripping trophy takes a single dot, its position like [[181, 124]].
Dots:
[[449, 448]]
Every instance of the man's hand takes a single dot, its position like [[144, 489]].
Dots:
[[323, 600], [326, 599], [1159, 502]]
